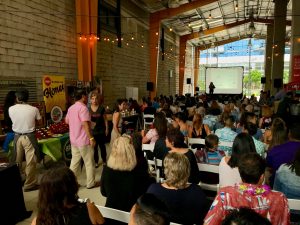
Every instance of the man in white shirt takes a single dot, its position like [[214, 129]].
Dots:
[[23, 118]]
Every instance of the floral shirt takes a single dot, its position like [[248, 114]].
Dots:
[[270, 204], [226, 134]]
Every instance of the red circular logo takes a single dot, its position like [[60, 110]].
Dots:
[[47, 81]]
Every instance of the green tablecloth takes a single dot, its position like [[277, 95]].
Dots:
[[51, 146]]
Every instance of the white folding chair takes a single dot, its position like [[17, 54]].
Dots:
[[114, 214], [148, 147], [159, 166], [226, 144], [155, 166], [192, 141], [117, 215], [203, 167], [294, 204], [147, 117]]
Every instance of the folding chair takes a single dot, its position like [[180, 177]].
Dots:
[[114, 214], [148, 120], [192, 141], [294, 204], [203, 167], [117, 215]]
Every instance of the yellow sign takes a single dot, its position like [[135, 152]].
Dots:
[[54, 92]]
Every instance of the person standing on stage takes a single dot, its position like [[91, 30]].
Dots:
[[82, 141], [24, 117], [211, 88]]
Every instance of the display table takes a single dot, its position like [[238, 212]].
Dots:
[[13, 207], [51, 147]]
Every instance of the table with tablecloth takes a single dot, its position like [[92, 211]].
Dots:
[[52, 147]]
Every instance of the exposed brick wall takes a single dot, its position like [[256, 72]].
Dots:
[[166, 80], [41, 41], [129, 65], [44, 42]]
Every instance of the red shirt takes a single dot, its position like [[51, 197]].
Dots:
[[272, 204]]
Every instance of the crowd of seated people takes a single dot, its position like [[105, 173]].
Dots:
[[241, 171]]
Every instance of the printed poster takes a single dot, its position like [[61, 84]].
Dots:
[[296, 68], [54, 92]]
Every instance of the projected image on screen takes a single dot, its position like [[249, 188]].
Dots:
[[227, 80]]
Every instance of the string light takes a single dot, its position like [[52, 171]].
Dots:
[[209, 17], [156, 33], [236, 7], [170, 29], [132, 38]]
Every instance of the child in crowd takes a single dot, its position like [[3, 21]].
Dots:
[[210, 154]]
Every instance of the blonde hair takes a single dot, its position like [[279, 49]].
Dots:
[[197, 121], [122, 156], [177, 170]]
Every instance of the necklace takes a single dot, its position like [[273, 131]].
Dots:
[[254, 190]]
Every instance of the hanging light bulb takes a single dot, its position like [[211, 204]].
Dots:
[[132, 38], [201, 32], [236, 7], [209, 16], [171, 29]]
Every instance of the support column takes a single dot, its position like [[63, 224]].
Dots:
[[278, 42], [196, 67], [295, 41], [182, 48], [86, 25], [268, 57], [153, 42]]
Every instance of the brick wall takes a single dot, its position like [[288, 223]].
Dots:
[[167, 78], [129, 65], [38, 37]]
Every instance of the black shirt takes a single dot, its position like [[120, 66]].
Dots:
[[120, 188], [160, 149], [194, 174], [186, 206], [98, 118]]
